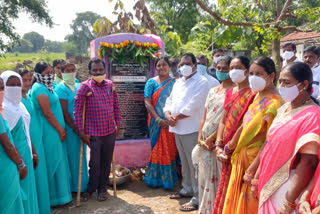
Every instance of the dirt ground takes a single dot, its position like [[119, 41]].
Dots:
[[133, 198]]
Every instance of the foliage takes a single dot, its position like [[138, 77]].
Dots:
[[10, 9], [23, 46], [126, 50], [53, 46], [83, 33], [9, 61], [179, 15], [36, 39], [70, 48]]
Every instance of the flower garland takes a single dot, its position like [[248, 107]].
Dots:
[[122, 52]]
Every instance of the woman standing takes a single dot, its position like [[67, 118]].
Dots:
[[162, 169], [295, 130], [36, 138], [66, 92], [19, 123], [202, 156], [256, 122], [48, 108], [12, 166], [235, 106], [57, 64]]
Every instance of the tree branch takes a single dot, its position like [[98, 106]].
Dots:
[[285, 9], [293, 28], [278, 8], [219, 19]]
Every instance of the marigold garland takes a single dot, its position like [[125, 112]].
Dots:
[[122, 52]]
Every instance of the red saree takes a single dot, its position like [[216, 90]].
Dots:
[[235, 106]]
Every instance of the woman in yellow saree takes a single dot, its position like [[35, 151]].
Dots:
[[256, 122]]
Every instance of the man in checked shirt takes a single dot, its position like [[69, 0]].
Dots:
[[102, 120]]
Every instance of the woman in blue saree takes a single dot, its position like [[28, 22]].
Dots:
[[162, 169]]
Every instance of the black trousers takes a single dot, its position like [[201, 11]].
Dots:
[[100, 162]]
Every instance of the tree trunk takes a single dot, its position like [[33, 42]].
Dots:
[[276, 54]]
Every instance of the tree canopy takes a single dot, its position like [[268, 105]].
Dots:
[[10, 9], [36, 39]]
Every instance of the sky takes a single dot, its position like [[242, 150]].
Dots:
[[63, 12]]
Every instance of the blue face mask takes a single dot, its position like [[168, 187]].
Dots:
[[222, 75], [202, 69]]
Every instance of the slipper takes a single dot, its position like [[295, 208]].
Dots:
[[176, 195], [102, 196], [85, 196], [188, 207]]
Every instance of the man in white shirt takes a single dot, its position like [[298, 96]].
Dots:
[[202, 68], [289, 54], [216, 55], [310, 57], [183, 111]]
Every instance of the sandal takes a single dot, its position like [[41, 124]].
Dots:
[[188, 207], [176, 195], [102, 196], [85, 196]]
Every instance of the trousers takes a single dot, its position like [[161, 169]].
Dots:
[[100, 162]]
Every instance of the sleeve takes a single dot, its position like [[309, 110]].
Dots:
[[198, 99], [2, 127], [37, 90], [168, 105], [148, 89], [116, 107], [78, 105], [61, 92]]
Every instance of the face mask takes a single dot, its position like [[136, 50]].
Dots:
[[289, 94], [1, 101], [46, 80], [288, 55], [222, 75], [186, 70], [257, 83], [99, 78], [69, 79], [216, 59], [13, 94], [237, 75], [202, 69]]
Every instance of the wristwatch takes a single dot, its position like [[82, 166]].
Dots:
[[21, 165]]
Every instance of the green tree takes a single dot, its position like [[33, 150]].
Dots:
[[23, 46], [70, 48], [270, 19], [10, 9], [36, 39], [53, 46], [83, 33], [179, 15]]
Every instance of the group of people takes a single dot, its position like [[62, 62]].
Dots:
[[44, 115], [247, 141]]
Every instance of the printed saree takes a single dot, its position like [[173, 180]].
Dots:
[[235, 106], [256, 122], [162, 169], [289, 132]]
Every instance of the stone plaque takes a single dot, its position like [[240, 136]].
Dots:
[[129, 80]]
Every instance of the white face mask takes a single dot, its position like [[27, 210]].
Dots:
[[216, 59], [237, 75], [289, 94], [257, 83], [186, 70], [13, 94], [288, 55]]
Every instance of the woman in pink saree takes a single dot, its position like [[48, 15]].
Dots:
[[289, 158]]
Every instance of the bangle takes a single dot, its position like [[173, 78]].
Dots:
[[213, 136], [227, 150], [254, 182], [250, 175], [34, 155], [219, 143], [158, 120], [289, 204], [22, 164]]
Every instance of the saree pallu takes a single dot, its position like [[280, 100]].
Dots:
[[235, 106], [10, 191], [257, 121], [162, 168], [289, 132]]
